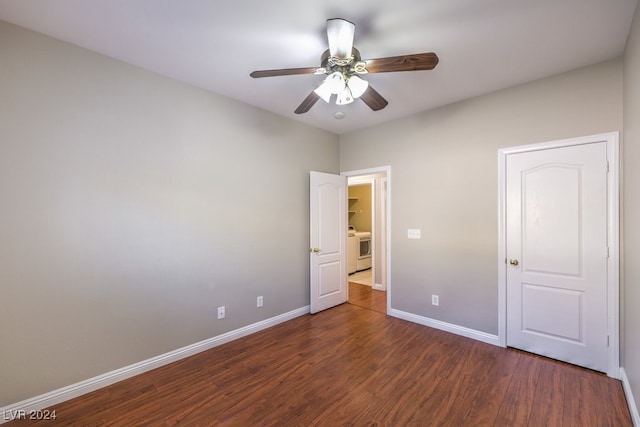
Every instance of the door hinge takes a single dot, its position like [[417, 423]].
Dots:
[[607, 252], [608, 168], [607, 340]]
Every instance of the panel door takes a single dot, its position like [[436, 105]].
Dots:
[[328, 218], [557, 253]]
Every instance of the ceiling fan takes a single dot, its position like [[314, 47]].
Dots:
[[342, 65]]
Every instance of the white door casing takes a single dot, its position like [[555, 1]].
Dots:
[[386, 255], [383, 235], [559, 251], [328, 238]]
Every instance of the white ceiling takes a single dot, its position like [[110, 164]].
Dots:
[[483, 45]]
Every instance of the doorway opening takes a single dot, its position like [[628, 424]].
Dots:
[[368, 253]]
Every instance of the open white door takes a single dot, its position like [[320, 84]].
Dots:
[[328, 251]]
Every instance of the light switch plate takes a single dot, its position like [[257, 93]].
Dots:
[[413, 233]]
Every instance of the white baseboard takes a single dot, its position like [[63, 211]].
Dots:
[[444, 326], [635, 416], [63, 394]]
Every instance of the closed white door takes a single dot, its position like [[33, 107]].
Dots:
[[328, 218], [556, 247]]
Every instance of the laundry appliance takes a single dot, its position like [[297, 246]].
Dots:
[[358, 250]]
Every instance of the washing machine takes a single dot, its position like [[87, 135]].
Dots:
[[364, 250]]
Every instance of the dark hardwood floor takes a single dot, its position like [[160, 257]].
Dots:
[[355, 366], [364, 296]]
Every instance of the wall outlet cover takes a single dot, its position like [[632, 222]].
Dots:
[[413, 233]]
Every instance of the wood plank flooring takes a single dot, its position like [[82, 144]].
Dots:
[[366, 297], [354, 366]]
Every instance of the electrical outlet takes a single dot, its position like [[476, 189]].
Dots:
[[413, 233], [221, 312], [259, 302], [435, 300]]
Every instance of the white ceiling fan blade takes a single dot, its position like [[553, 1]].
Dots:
[[340, 34]]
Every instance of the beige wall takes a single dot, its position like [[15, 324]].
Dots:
[[444, 181], [631, 212], [132, 206]]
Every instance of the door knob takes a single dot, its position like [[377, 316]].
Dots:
[[314, 250], [513, 261]]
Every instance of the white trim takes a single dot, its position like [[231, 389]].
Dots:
[[613, 210], [371, 171], [63, 394], [633, 409], [382, 191], [613, 267], [502, 249], [447, 327]]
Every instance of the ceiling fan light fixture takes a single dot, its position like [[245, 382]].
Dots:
[[334, 83], [357, 86], [344, 97], [324, 92]]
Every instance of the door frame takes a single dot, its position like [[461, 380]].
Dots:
[[387, 171], [611, 140]]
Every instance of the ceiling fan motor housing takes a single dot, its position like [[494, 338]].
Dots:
[[347, 66]]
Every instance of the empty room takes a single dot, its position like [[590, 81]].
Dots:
[[327, 213]]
